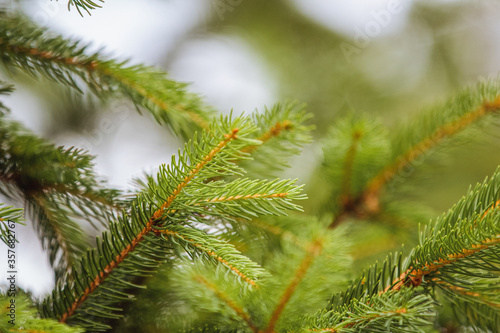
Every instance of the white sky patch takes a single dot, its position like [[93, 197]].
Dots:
[[386, 63], [227, 72], [348, 17], [25, 108], [142, 31]]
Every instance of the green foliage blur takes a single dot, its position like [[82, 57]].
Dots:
[[439, 48]]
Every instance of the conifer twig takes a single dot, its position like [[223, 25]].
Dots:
[[414, 276], [312, 252], [367, 203], [235, 307], [375, 185], [37, 52], [274, 131], [363, 320], [209, 252], [146, 230], [86, 5]]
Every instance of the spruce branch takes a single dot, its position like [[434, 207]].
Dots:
[[237, 309], [395, 312], [419, 137], [313, 251], [215, 250], [35, 51], [58, 187], [354, 150], [159, 221], [215, 296], [445, 128], [282, 130], [60, 235], [459, 256]]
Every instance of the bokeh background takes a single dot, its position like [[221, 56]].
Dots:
[[389, 59]]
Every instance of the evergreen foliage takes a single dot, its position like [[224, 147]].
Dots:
[[58, 187], [37, 52], [213, 242], [27, 318]]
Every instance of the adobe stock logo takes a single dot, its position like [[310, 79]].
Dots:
[[362, 38], [108, 124], [46, 11], [223, 6]]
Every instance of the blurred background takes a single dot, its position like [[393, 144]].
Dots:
[[386, 58]]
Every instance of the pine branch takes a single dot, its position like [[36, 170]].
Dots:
[[469, 231], [313, 251], [433, 128], [36, 52], [158, 223], [416, 140], [58, 187], [469, 305], [282, 130], [215, 296], [60, 235], [238, 198], [354, 151], [230, 303], [393, 312], [459, 254], [215, 250]]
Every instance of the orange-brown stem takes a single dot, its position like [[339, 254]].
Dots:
[[106, 271], [414, 276], [249, 196], [147, 95], [49, 56], [273, 132]]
